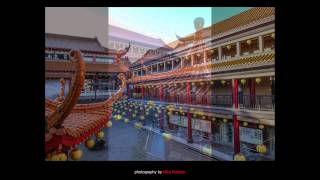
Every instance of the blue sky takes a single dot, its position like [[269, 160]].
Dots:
[[160, 22], [165, 22]]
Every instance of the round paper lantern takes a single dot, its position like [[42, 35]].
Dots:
[[261, 148], [225, 120], [90, 143], [213, 119], [273, 35], [243, 81], [142, 117], [223, 82], [100, 135], [167, 136], [258, 80], [249, 42], [229, 47], [211, 82], [207, 150], [245, 124], [109, 124], [59, 157], [239, 157], [261, 126], [203, 117], [76, 154], [138, 125]]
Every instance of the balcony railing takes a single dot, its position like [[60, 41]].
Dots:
[[257, 102]]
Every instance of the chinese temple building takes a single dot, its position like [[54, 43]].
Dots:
[[216, 84], [101, 71]]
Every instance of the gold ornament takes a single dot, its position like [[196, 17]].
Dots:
[[109, 124], [76, 154], [90, 143], [261, 148], [59, 157], [243, 81], [261, 126], [138, 125], [258, 80], [239, 157], [100, 135], [207, 150], [167, 136]]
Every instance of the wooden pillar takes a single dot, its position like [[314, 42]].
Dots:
[[238, 49], [220, 53], [192, 59], [260, 43]]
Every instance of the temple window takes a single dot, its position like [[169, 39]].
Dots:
[[198, 58], [249, 46], [268, 42], [229, 51]]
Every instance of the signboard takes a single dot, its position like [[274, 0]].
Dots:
[[252, 136], [197, 124]]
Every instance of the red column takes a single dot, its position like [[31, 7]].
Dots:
[[252, 92], [189, 114], [161, 113], [236, 124]]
